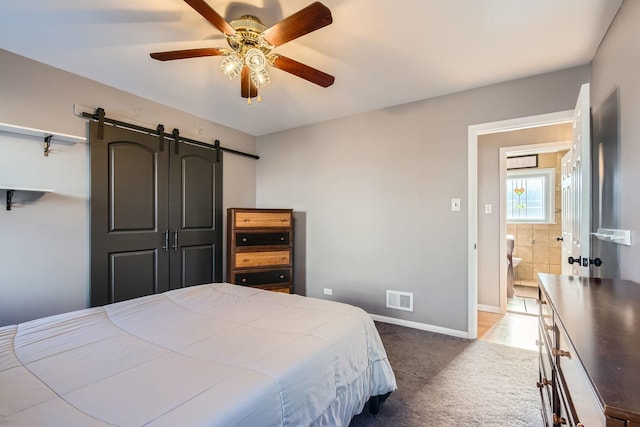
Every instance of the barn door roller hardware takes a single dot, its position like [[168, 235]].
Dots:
[[99, 116]]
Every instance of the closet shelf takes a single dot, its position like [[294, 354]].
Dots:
[[10, 189], [21, 130]]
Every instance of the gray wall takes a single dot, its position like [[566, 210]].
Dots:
[[44, 255], [616, 67], [376, 189]]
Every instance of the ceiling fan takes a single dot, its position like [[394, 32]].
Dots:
[[251, 44]]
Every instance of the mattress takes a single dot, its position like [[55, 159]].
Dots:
[[214, 355]]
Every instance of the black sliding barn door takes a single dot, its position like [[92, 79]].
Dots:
[[195, 216], [155, 215]]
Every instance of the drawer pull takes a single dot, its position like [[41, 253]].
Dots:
[[245, 220], [282, 239], [561, 353], [244, 280], [558, 420], [283, 220], [545, 382], [244, 239], [282, 276]]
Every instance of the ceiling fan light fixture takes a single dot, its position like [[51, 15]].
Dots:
[[260, 77], [231, 66], [255, 59], [251, 43]]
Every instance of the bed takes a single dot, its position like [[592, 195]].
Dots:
[[214, 355]]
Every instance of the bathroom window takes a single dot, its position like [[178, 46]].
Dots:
[[530, 196]]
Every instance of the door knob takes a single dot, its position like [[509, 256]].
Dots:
[[559, 238], [597, 262], [573, 260]]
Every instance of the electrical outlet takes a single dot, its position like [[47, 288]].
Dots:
[[488, 208], [328, 291], [455, 205]]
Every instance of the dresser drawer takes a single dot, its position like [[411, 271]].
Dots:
[[263, 277], [263, 239], [285, 289], [546, 318], [563, 414], [546, 364], [262, 259], [577, 389], [262, 219], [547, 407]]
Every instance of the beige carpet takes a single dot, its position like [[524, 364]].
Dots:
[[447, 381]]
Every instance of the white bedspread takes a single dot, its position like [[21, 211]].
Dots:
[[214, 355]]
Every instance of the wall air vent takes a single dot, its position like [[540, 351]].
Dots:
[[400, 300]]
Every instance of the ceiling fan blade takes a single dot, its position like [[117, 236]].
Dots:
[[211, 15], [247, 88], [303, 71], [187, 53], [311, 18]]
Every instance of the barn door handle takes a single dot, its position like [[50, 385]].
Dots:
[[174, 246], [165, 240]]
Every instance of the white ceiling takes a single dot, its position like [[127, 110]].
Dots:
[[382, 52]]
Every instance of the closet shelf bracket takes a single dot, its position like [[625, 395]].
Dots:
[[10, 189], [9, 197]]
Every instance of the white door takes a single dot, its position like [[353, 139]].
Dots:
[[578, 212], [567, 212]]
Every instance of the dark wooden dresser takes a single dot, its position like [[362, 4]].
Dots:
[[589, 340], [260, 248]]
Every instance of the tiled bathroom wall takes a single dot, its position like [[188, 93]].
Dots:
[[536, 244]]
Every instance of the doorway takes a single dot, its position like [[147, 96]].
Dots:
[[531, 204], [474, 133]]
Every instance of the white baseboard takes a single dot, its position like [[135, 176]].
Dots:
[[489, 308], [421, 326]]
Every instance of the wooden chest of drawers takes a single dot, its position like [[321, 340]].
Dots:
[[589, 351], [260, 248]]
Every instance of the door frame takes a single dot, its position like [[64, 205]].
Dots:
[[474, 131], [543, 147]]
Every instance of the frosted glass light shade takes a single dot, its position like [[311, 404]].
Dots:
[[255, 59], [231, 66], [260, 78]]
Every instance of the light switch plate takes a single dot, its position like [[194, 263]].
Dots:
[[488, 208], [455, 205]]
